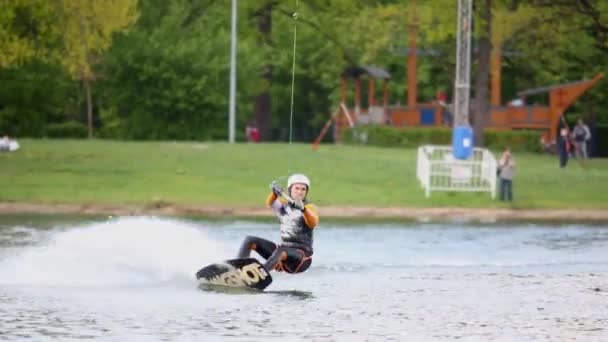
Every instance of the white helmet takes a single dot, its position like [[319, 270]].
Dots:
[[298, 178]]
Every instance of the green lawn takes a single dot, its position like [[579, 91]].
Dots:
[[78, 171]]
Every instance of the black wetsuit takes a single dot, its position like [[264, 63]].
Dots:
[[296, 241]]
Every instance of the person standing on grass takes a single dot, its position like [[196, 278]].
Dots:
[[563, 147], [506, 166], [252, 132], [581, 135], [4, 143]]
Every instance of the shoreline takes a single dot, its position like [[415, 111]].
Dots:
[[329, 212]]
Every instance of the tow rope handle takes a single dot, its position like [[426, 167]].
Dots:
[[274, 186]]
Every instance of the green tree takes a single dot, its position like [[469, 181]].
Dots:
[[27, 30], [330, 36], [33, 90], [88, 27], [31, 96], [168, 77]]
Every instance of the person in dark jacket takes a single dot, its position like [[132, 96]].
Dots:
[[563, 142]]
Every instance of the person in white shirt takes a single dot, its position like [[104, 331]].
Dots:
[[506, 166]]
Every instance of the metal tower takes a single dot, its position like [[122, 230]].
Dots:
[[463, 64]]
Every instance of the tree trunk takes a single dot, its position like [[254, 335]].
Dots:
[[262, 109], [87, 88], [482, 76]]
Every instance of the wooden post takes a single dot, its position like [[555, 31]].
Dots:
[[385, 101], [412, 59], [357, 97], [385, 94], [343, 89], [371, 96], [496, 76]]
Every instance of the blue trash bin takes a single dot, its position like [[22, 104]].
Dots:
[[462, 142]]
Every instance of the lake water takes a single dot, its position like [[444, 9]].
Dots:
[[132, 279]]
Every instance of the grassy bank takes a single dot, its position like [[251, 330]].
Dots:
[[219, 174]]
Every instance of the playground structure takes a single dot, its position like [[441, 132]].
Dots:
[[542, 118], [510, 116]]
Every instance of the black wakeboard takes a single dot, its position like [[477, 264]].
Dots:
[[246, 272]]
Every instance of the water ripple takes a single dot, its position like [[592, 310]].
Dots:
[[132, 280]]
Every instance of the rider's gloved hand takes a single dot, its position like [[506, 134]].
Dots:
[[276, 189]]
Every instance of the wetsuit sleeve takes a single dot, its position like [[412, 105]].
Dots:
[[270, 199], [311, 216]]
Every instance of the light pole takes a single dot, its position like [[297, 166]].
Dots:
[[232, 105]]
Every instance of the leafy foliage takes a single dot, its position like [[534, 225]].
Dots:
[[168, 79], [27, 30], [32, 96], [69, 129], [383, 136], [162, 66], [87, 28]]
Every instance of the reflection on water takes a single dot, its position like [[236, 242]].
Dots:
[[133, 279], [574, 239], [251, 291]]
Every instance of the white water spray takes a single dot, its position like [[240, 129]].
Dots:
[[119, 252]]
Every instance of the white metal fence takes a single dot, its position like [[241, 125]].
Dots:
[[438, 170]]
